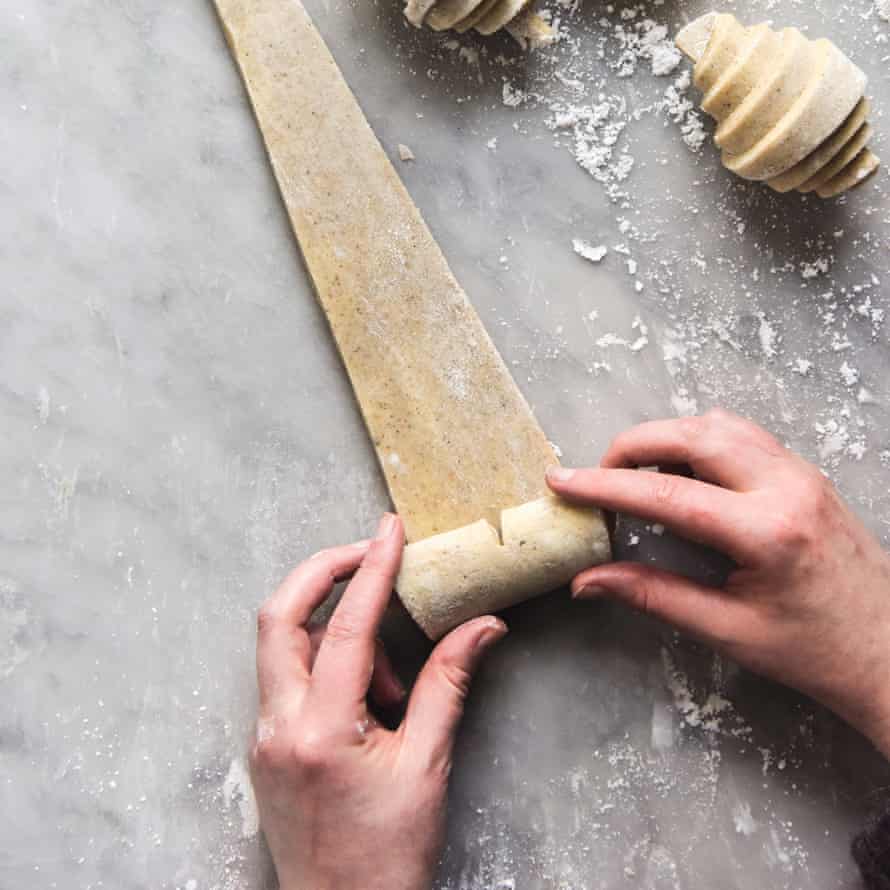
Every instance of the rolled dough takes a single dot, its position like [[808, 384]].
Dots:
[[450, 578], [789, 109], [486, 16]]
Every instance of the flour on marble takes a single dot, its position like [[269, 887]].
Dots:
[[745, 823], [44, 404], [595, 90], [237, 791], [593, 253], [15, 619]]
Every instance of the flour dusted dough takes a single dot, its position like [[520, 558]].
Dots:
[[456, 440], [486, 16], [791, 110], [453, 577]]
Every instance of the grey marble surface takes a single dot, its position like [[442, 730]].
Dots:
[[177, 432]]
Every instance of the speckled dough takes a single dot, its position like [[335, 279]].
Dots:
[[451, 578], [791, 110], [486, 16], [457, 442], [455, 438]]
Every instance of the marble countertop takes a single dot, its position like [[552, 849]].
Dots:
[[177, 432]]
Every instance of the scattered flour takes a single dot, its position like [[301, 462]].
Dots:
[[682, 111], [237, 791], [745, 823], [596, 254]]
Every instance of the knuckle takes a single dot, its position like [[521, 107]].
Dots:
[[786, 529], [811, 496], [312, 750], [376, 568], [267, 617], [692, 428], [457, 678], [644, 596], [719, 417], [344, 628], [270, 755], [665, 489], [621, 443], [799, 521]]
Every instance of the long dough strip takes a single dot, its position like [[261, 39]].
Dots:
[[455, 438], [457, 442]]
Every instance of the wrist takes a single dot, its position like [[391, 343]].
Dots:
[[869, 711], [876, 724]]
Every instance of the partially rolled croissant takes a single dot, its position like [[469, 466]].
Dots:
[[486, 16], [791, 111]]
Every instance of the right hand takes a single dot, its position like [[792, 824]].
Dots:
[[808, 605]]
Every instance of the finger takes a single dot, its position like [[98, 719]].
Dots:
[[697, 510], [386, 689], [343, 669], [719, 447], [437, 702], [711, 615], [283, 651]]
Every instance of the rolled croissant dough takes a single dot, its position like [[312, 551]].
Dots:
[[791, 110], [486, 16], [450, 578]]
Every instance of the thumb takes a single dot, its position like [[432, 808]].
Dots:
[[705, 612], [437, 702]]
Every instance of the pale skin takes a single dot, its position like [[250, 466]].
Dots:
[[345, 803]]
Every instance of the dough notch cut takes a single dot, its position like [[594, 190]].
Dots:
[[791, 111], [458, 575]]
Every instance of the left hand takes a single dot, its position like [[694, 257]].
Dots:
[[345, 803]]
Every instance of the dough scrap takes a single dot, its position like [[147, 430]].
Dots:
[[450, 578], [791, 111]]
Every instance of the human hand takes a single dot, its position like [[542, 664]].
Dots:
[[808, 605], [345, 803]]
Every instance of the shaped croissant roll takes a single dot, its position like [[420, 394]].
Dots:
[[791, 111], [486, 16]]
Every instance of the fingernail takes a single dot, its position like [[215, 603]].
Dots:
[[560, 474], [494, 631], [589, 591], [387, 527], [362, 545]]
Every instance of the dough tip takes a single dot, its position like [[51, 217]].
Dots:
[[693, 40]]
